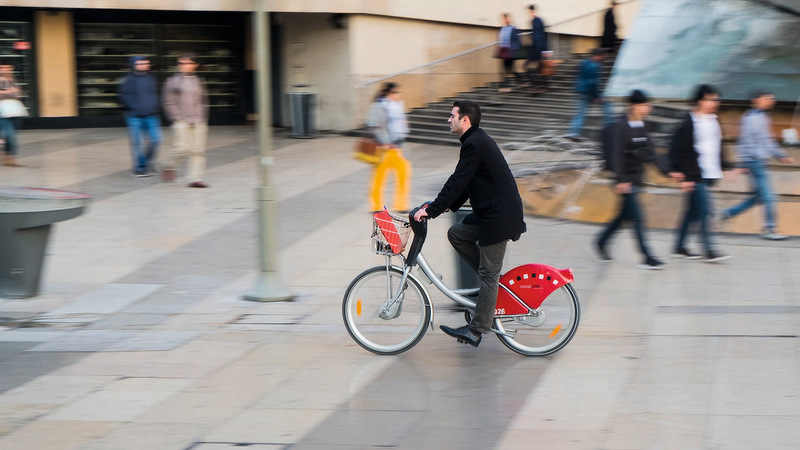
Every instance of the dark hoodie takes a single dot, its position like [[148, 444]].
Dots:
[[138, 92]]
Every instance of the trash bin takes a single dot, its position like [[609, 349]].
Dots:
[[301, 105], [26, 215], [467, 278]]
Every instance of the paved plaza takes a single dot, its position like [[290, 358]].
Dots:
[[140, 338]]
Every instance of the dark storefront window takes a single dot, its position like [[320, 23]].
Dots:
[[213, 47], [103, 51], [15, 49]]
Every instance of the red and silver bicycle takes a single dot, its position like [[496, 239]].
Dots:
[[387, 309]]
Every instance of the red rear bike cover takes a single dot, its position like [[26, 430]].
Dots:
[[532, 283]]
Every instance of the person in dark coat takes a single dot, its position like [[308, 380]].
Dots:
[[482, 175], [609, 39], [696, 153], [630, 147], [138, 94], [539, 45]]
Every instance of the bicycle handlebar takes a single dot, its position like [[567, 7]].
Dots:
[[420, 230]]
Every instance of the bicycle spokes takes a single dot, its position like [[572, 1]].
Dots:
[[382, 317], [546, 329]]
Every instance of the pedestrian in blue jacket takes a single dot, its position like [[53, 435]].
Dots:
[[589, 91], [138, 94]]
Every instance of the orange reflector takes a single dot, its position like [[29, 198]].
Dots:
[[555, 330], [358, 307]]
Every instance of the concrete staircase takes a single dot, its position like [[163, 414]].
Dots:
[[520, 116]]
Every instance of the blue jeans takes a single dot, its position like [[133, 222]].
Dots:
[[8, 131], [698, 207], [631, 212], [584, 100], [136, 127], [759, 175]]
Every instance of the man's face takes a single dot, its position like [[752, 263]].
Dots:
[[186, 65], [142, 65], [709, 104], [765, 102], [6, 68], [456, 121], [642, 110]]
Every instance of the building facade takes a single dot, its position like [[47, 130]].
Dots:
[[70, 60]]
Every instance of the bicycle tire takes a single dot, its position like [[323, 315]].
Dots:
[[385, 336], [558, 320]]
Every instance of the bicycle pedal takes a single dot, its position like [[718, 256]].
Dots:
[[461, 341]]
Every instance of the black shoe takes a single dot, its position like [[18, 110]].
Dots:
[[465, 334], [652, 264], [599, 253], [683, 253], [714, 257]]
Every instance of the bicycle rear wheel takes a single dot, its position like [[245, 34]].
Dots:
[[376, 328], [547, 331]]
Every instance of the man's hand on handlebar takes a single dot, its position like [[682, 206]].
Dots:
[[421, 213]]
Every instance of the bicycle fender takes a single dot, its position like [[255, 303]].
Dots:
[[532, 283]]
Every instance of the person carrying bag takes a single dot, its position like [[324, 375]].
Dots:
[[11, 112], [386, 120]]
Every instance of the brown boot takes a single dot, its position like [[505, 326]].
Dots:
[[10, 161]]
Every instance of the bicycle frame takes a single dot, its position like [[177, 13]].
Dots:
[[546, 278]]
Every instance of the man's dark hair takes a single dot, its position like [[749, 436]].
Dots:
[[189, 56], [532, 7], [470, 109], [701, 91], [598, 52], [758, 93], [638, 97]]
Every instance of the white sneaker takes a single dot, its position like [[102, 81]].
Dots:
[[773, 236]]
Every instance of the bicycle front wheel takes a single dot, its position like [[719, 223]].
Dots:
[[377, 324], [546, 331]]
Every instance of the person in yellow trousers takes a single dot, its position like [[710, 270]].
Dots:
[[387, 122]]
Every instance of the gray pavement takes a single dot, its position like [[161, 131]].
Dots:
[[140, 338]]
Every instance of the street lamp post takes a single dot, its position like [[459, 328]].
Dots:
[[268, 287]]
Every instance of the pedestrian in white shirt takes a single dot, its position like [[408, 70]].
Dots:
[[696, 157]]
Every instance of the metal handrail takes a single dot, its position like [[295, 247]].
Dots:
[[470, 51], [428, 64]]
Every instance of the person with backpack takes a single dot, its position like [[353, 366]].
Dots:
[[628, 146]]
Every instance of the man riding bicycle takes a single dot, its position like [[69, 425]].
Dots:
[[482, 175]]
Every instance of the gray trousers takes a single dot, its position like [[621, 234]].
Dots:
[[487, 261]]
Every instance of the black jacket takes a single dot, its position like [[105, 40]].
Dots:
[[482, 175], [632, 147], [609, 30], [683, 155]]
